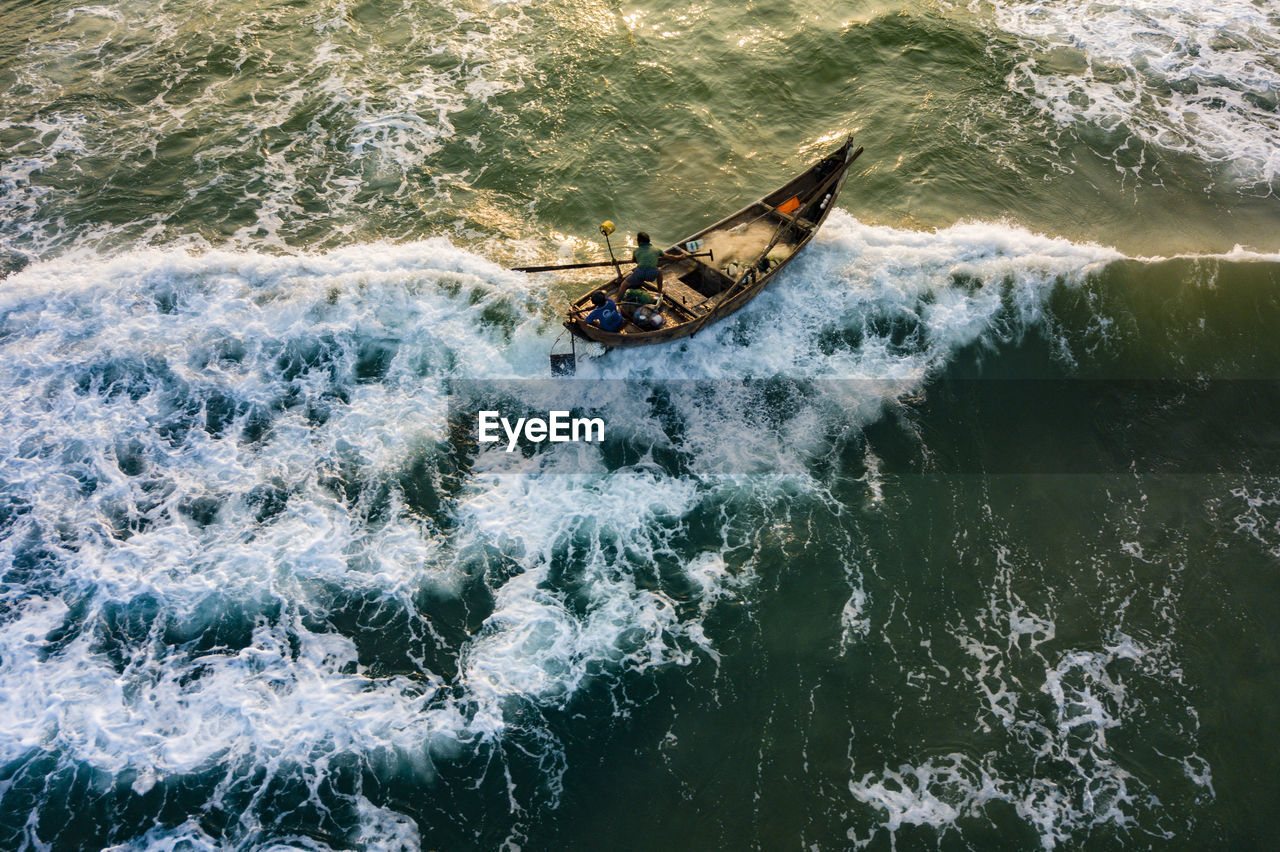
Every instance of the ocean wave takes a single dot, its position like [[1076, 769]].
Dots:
[[243, 539], [242, 125], [1185, 77]]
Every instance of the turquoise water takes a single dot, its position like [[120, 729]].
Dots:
[[961, 534]]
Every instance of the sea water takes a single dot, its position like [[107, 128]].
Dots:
[[962, 532]]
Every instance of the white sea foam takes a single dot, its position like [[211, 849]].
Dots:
[[861, 320], [286, 130], [1081, 780], [1258, 516], [1183, 76], [532, 647], [130, 450], [1088, 700], [194, 438], [935, 793]]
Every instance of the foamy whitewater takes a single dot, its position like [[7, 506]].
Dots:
[[1183, 76], [215, 444], [269, 136], [901, 554]]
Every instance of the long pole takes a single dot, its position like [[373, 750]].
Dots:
[[616, 266], [563, 266], [598, 263]]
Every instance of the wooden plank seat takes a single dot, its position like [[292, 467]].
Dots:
[[682, 295]]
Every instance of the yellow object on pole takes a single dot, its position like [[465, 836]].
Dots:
[[606, 228]]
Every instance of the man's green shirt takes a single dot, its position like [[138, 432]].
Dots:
[[646, 256]]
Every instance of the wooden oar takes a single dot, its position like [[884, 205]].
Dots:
[[560, 266], [582, 265]]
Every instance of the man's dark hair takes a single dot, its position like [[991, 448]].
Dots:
[[642, 238], [599, 298]]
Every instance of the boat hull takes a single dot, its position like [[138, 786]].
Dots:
[[751, 247]]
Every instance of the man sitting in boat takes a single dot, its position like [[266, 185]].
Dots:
[[646, 260], [606, 314]]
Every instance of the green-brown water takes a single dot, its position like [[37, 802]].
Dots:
[[961, 535]]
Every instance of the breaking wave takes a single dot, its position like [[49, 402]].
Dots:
[[246, 554]]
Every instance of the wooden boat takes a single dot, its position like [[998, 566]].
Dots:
[[747, 249]]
